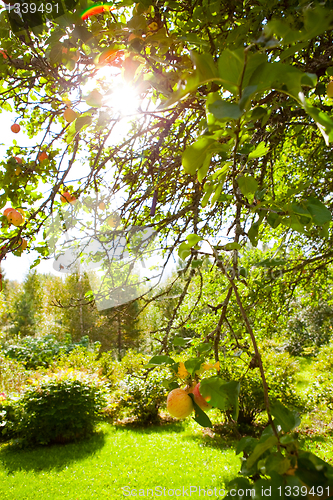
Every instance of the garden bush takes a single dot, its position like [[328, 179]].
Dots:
[[59, 407], [137, 395], [280, 369], [80, 358], [41, 352], [141, 398]]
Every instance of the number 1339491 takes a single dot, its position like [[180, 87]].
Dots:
[[292, 491], [31, 8]]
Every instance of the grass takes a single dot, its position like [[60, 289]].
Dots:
[[170, 456], [306, 375]]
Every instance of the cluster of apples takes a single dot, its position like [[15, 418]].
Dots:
[[15, 217], [180, 404]]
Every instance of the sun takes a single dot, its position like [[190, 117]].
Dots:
[[123, 99]]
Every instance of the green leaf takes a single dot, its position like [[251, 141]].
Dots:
[[247, 184], [196, 263], [260, 150], [253, 233], [299, 209], [195, 155], [82, 121], [179, 341], [202, 172], [230, 68], [232, 246], [223, 110], [316, 21], [200, 416], [184, 250], [192, 365], [294, 223], [204, 348], [208, 194], [284, 417], [193, 239], [160, 360], [221, 394], [320, 214], [56, 53], [259, 449], [217, 192], [258, 113], [277, 462], [205, 65], [247, 443], [282, 77]]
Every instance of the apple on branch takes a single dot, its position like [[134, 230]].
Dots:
[[179, 403], [67, 197]]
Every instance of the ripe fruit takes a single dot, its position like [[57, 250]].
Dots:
[[43, 156], [113, 220], [102, 206], [199, 399], [67, 197], [14, 217], [179, 403], [18, 160], [23, 244], [94, 99], [6, 212], [70, 115], [3, 52], [15, 128], [329, 90]]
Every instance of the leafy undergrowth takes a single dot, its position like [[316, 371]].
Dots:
[[170, 456]]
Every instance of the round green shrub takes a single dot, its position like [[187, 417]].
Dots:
[[138, 394], [142, 398], [60, 407]]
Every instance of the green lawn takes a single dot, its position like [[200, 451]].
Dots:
[[306, 375], [172, 456]]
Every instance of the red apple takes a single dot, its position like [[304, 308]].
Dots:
[[15, 128], [199, 399], [67, 197], [179, 403], [16, 218], [43, 156], [7, 210]]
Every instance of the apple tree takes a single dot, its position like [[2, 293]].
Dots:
[[229, 144]]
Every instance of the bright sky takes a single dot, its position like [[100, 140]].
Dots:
[[123, 101]]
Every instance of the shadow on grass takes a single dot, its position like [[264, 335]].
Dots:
[[56, 457]]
